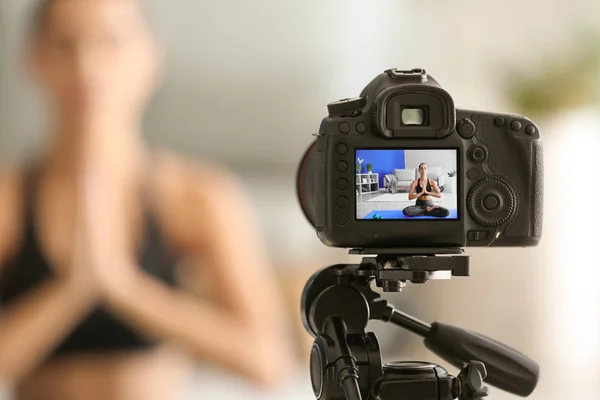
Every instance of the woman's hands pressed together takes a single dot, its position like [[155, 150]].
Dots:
[[101, 219], [85, 273], [105, 253]]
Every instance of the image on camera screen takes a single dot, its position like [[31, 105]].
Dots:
[[406, 184]]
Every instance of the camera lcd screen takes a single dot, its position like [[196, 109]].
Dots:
[[406, 184]]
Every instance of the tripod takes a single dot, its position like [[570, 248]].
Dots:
[[345, 361]]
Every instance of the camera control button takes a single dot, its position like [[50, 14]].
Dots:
[[477, 154], [344, 127], [342, 219], [466, 128], [515, 125], [361, 127], [476, 236], [341, 149], [499, 121], [491, 202], [342, 166], [342, 202], [342, 184], [472, 174]]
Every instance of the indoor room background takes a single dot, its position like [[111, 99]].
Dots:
[[384, 162], [247, 84]]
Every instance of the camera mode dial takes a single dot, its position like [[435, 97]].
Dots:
[[346, 106]]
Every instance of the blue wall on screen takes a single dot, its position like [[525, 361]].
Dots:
[[384, 161]]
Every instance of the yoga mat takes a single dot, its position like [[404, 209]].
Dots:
[[398, 214]]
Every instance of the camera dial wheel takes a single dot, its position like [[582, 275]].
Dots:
[[346, 106], [491, 202]]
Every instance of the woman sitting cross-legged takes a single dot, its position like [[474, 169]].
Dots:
[[423, 189]]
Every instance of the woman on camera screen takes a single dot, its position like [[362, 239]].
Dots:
[[423, 189]]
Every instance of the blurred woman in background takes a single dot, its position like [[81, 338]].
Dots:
[[90, 234]]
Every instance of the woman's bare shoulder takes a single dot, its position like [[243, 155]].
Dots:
[[178, 177], [188, 191], [10, 205], [10, 189]]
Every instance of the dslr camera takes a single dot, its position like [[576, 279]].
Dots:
[[402, 176], [400, 166]]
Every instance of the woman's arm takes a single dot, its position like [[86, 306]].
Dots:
[[33, 325], [436, 190], [9, 211], [245, 327], [411, 193]]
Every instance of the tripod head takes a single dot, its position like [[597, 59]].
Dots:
[[337, 304]]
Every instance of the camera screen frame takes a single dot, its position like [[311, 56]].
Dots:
[[457, 190]]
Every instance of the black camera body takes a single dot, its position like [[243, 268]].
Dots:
[[488, 184]]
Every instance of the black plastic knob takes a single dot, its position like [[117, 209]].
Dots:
[[346, 106], [471, 381]]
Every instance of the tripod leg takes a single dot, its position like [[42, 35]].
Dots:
[[345, 365], [351, 389]]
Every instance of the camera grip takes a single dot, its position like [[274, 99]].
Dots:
[[524, 172], [507, 368]]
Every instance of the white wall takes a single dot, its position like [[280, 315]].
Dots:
[[433, 158], [257, 74], [261, 73]]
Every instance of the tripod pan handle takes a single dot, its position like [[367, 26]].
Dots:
[[507, 368]]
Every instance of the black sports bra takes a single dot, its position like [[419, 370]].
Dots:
[[100, 331], [418, 188]]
